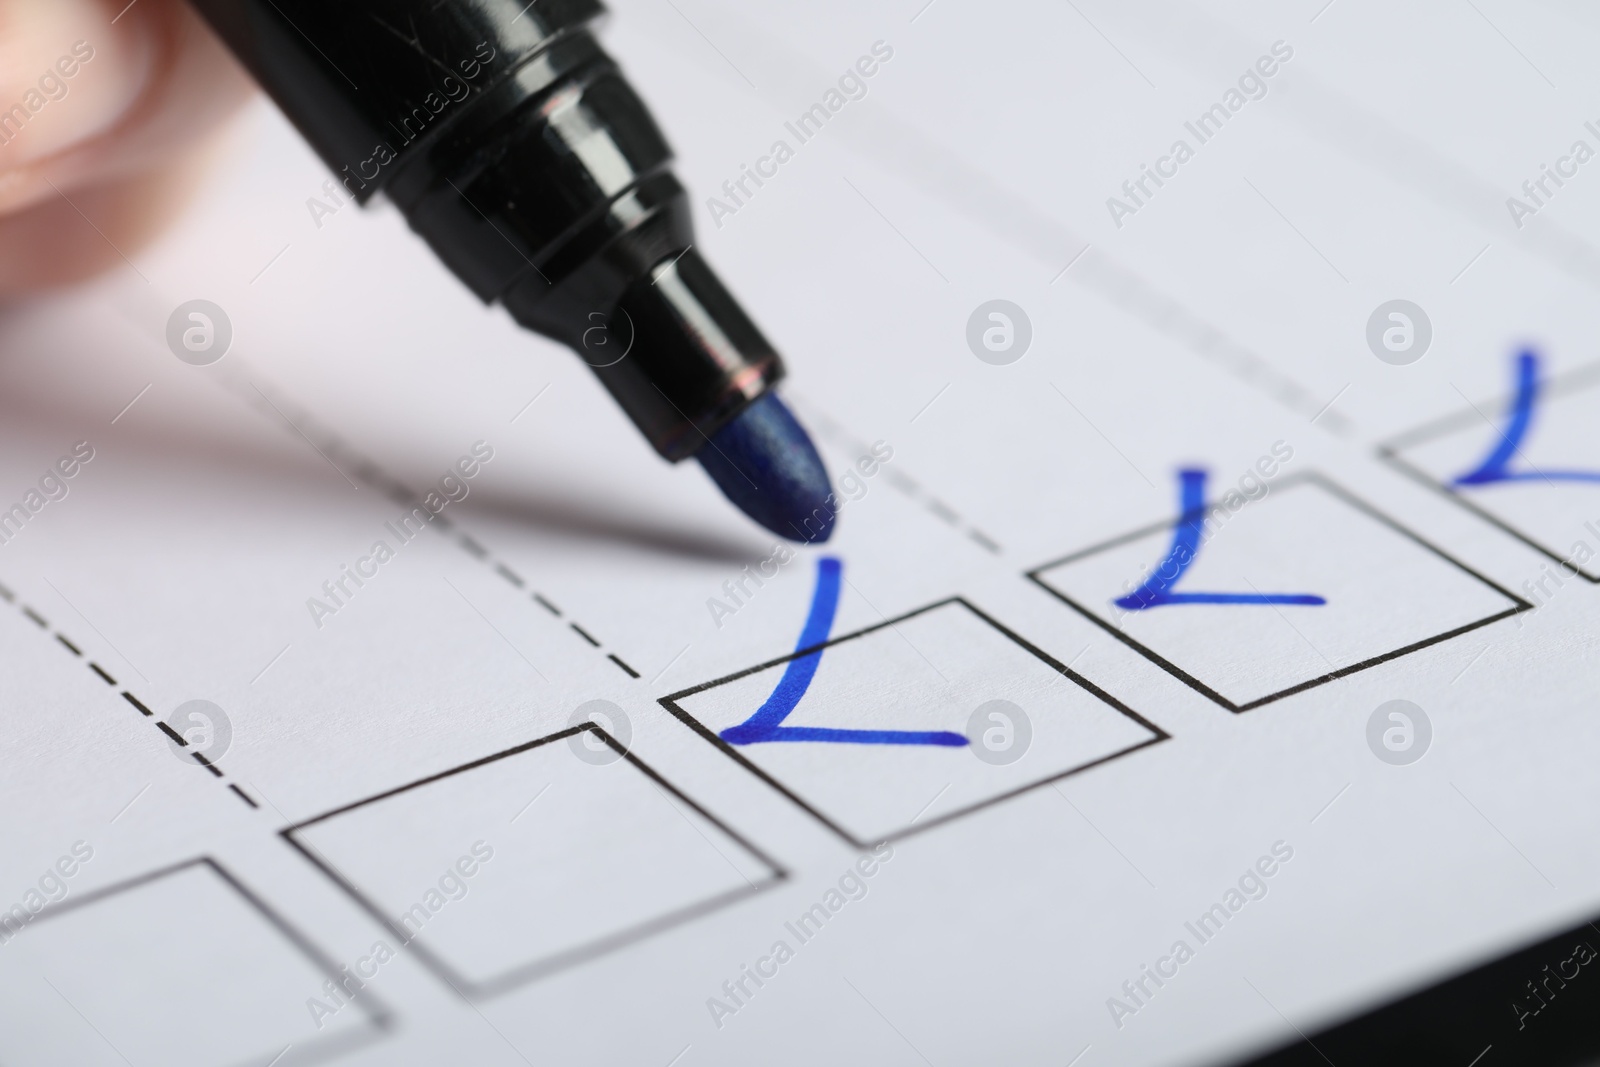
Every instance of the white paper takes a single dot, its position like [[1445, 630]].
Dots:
[[378, 744]]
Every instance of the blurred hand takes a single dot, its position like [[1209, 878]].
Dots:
[[107, 111]]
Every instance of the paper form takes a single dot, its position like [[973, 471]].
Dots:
[[302, 767]]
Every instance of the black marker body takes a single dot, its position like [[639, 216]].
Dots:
[[513, 145]]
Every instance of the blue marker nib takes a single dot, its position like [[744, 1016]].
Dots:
[[764, 462]]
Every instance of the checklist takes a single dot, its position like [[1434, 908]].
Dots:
[[415, 711]]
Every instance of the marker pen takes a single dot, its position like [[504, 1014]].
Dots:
[[514, 146]]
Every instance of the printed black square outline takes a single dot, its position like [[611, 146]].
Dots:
[[379, 1017], [471, 990], [671, 704], [1519, 605], [1390, 452]]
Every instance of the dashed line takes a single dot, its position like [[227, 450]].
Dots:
[[243, 795], [101, 673], [898, 479], [369, 474], [983, 539], [901, 482]]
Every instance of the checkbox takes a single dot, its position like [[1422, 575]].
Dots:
[[76, 984], [1292, 590], [1529, 464], [509, 868], [1018, 719]]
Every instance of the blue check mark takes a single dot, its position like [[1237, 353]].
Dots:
[[767, 723], [1186, 540], [1497, 466]]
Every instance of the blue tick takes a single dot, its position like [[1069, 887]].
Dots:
[[767, 723], [1186, 532], [1496, 467]]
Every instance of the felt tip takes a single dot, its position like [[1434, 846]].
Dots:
[[764, 462]]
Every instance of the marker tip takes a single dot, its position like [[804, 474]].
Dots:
[[764, 462]]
